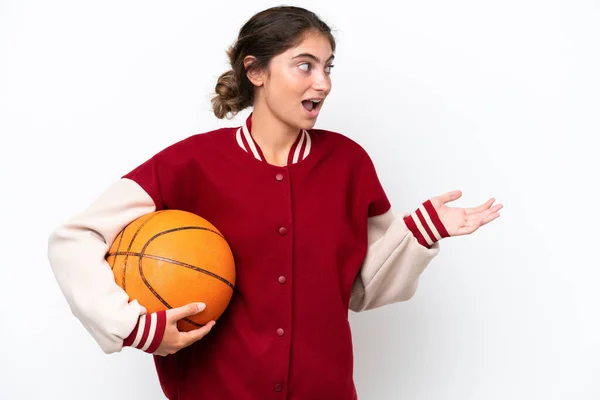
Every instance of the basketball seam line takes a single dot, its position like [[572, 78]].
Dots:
[[181, 264], [133, 239]]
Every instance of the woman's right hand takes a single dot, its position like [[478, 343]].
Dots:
[[174, 340]]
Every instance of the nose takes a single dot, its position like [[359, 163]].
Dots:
[[322, 83]]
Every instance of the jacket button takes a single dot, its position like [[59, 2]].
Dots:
[[280, 332], [278, 387], [279, 177], [283, 231], [282, 279]]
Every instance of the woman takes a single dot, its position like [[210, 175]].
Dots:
[[309, 224]]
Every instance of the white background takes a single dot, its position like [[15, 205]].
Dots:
[[497, 99]]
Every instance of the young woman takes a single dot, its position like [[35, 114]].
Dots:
[[310, 226]]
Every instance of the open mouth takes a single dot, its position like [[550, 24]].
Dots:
[[312, 105]]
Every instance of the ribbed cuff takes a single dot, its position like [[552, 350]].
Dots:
[[148, 332], [425, 224]]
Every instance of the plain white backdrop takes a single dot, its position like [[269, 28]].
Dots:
[[497, 99]]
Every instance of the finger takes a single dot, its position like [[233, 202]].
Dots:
[[475, 224], [480, 208], [450, 196], [188, 310], [197, 334], [490, 218], [486, 213]]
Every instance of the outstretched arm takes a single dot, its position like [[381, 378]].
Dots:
[[402, 245]]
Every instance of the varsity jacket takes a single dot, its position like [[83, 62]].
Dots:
[[311, 240]]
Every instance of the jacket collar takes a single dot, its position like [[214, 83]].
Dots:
[[299, 151]]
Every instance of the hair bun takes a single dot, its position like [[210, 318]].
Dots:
[[227, 99]]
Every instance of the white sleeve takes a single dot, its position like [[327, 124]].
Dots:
[[395, 259], [76, 252]]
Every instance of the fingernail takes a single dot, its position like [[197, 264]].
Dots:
[[201, 306]]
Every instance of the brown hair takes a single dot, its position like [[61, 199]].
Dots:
[[265, 35]]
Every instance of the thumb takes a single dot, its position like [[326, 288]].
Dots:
[[187, 310], [450, 196]]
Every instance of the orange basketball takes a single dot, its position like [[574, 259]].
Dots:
[[170, 258]]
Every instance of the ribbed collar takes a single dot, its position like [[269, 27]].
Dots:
[[299, 151]]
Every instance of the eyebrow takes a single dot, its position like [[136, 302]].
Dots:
[[313, 57]]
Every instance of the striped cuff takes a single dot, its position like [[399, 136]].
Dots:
[[425, 224], [148, 332]]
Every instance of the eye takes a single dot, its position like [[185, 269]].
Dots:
[[307, 65], [328, 68]]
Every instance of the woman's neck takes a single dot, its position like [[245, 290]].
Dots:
[[274, 137]]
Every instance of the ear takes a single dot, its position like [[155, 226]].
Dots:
[[255, 76]]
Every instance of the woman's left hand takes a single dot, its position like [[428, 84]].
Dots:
[[463, 221]]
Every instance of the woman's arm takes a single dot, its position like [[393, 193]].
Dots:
[[76, 252], [400, 248]]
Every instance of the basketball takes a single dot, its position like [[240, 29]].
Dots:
[[170, 258]]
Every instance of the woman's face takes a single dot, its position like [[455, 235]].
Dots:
[[296, 76]]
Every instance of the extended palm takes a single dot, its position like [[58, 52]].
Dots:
[[463, 221]]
